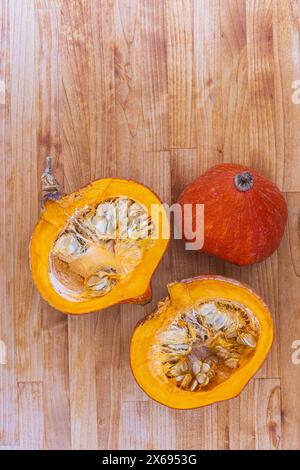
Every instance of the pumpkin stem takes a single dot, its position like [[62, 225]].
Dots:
[[243, 181], [50, 185]]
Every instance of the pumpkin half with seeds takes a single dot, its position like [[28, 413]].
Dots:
[[202, 344], [98, 246]]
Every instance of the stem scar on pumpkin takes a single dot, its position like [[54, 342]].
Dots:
[[243, 181]]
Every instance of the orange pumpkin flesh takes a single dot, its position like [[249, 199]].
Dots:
[[63, 265], [223, 353], [244, 213]]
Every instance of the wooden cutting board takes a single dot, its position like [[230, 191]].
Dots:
[[155, 90]]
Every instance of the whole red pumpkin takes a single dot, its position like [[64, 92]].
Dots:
[[244, 213]]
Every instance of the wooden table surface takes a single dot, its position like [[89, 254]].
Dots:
[[158, 91]]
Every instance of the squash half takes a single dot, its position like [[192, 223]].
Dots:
[[181, 377], [134, 287]]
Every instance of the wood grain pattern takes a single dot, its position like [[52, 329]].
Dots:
[[259, 21], [289, 293], [31, 421], [286, 37], [157, 91], [180, 77], [9, 432], [267, 414]]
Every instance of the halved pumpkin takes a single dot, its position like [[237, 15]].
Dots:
[[203, 343], [97, 247]]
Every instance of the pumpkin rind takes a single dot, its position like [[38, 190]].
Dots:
[[242, 226], [135, 288], [182, 294]]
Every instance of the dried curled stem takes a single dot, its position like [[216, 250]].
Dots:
[[49, 182], [50, 185]]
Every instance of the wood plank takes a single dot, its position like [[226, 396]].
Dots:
[[241, 420], [31, 415], [109, 376], [235, 84], [48, 89], [56, 393], [8, 390], [134, 426], [180, 67], [23, 167], [213, 433], [2, 92], [289, 293], [155, 76], [130, 315], [286, 73], [128, 90], [47, 4], [262, 129], [207, 82], [189, 435], [76, 66], [82, 369], [9, 448], [163, 418], [55, 326], [102, 106], [267, 414]]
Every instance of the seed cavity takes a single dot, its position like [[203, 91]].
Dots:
[[98, 247], [206, 344]]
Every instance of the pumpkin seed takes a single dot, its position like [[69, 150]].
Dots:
[[205, 367], [247, 339], [197, 365], [201, 378], [179, 378], [231, 362], [68, 245], [193, 385], [186, 381]]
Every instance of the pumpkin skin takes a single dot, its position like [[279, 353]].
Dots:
[[136, 287], [181, 296], [244, 213]]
